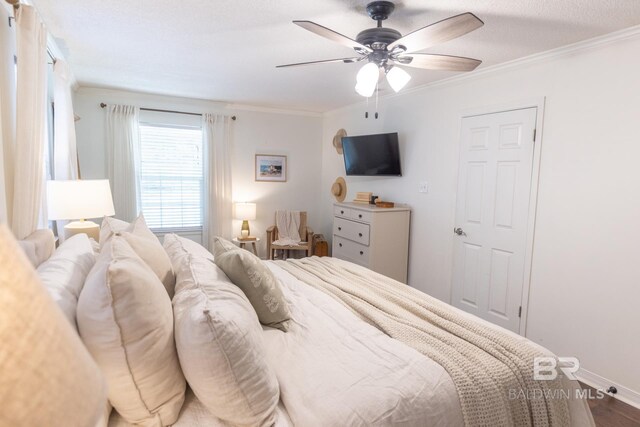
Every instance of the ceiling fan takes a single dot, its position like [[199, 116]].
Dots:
[[384, 49]]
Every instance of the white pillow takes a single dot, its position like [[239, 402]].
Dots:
[[220, 344], [175, 246], [65, 272], [109, 227], [38, 246], [47, 377], [126, 321], [146, 245]]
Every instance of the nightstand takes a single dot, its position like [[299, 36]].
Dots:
[[244, 243]]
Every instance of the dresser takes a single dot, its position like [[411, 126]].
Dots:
[[376, 238]]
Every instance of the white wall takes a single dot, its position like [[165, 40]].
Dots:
[[585, 290], [297, 136]]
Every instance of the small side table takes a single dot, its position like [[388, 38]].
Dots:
[[243, 243]]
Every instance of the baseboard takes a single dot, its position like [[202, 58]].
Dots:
[[624, 394]]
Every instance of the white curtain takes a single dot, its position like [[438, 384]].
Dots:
[[3, 195], [218, 207], [65, 154], [123, 153], [31, 112], [7, 115]]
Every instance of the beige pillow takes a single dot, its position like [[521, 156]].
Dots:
[[220, 344], [145, 244], [173, 242], [126, 321], [153, 254], [109, 227], [47, 377], [257, 282], [65, 272], [38, 246]]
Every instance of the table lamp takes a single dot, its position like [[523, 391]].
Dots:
[[245, 212], [78, 200]]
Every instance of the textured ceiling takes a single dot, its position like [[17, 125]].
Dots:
[[227, 50]]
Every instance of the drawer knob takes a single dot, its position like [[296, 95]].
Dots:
[[340, 244], [360, 216], [339, 228], [360, 234], [341, 212], [361, 253]]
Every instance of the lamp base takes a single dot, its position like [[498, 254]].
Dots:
[[89, 228]]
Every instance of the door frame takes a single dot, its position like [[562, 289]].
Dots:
[[539, 104]]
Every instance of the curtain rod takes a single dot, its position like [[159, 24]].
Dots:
[[102, 105], [16, 5]]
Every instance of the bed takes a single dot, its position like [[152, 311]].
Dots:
[[336, 367]]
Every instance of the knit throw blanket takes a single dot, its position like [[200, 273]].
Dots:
[[484, 363], [288, 223]]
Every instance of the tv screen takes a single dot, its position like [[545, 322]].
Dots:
[[370, 155]]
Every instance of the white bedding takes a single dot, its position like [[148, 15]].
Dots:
[[336, 370], [194, 413]]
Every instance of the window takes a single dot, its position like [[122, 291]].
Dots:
[[171, 176]]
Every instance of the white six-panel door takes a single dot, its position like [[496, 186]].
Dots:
[[494, 185]]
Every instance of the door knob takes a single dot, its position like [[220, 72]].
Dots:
[[459, 231]]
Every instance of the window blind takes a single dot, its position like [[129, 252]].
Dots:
[[171, 176]]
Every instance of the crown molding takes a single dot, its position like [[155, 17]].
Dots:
[[274, 110], [536, 58]]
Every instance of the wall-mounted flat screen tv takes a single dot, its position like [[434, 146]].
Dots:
[[372, 155]]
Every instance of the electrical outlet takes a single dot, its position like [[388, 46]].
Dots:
[[423, 187]]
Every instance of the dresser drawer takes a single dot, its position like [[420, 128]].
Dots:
[[363, 216], [351, 230], [350, 251], [342, 212]]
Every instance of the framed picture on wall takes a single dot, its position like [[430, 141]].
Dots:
[[271, 168]]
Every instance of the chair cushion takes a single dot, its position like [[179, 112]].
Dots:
[[47, 377], [65, 272], [256, 281], [126, 321], [219, 341]]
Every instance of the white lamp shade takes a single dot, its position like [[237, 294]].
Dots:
[[397, 78], [79, 199], [367, 79], [245, 211]]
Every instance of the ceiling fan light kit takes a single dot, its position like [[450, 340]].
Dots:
[[397, 78], [385, 49]]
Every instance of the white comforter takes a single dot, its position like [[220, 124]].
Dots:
[[336, 370]]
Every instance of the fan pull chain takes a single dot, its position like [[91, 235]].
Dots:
[[366, 113], [376, 101]]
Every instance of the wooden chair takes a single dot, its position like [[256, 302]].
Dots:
[[306, 234]]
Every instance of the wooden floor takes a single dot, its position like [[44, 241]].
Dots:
[[610, 412]]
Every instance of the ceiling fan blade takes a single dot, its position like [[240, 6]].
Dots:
[[325, 61], [439, 62], [440, 32], [332, 35]]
